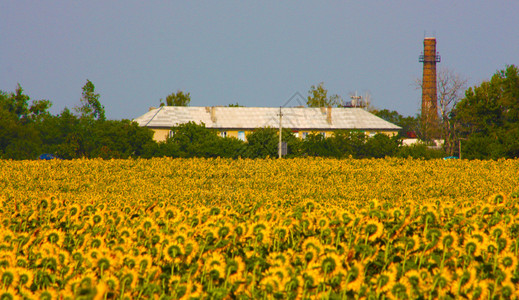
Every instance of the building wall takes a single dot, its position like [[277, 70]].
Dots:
[[160, 135]]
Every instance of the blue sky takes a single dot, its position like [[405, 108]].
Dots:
[[255, 53]]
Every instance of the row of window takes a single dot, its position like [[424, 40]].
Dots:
[[241, 134]]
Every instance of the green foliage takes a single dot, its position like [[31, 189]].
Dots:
[[409, 124], [489, 117], [293, 143], [355, 144], [235, 105], [262, 143], [18, 141], [19, 137], [349, 143], [381, 145], [230, 147], [17, 104], [193, 140], [68, 136], [316, 144], [318, 97], [28, 130], [90, 105], [419, 150], [120, 139], [178, 99]]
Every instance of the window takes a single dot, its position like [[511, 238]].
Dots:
[[305, 135], [323, 133], [241, 135], [223, 134], [171, 133], [296, 134]]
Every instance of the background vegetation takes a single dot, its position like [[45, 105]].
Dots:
[[484, 124]]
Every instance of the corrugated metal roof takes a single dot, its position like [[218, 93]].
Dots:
[[257, 117]]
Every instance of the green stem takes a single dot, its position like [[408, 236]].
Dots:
[[405, 258], [386, 254], [433, 288], [122, 290], [253, 279], [443, 259]]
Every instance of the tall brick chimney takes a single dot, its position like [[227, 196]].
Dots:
[[429, 58]]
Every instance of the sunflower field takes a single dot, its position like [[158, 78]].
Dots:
[[306, 228]]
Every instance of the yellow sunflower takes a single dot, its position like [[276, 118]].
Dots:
[[373, 229], [9, 293], [355, 277], [331, 264]]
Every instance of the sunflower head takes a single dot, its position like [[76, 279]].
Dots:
[[331, 264], [277, 259], [46, 295], [97, 219], [310, 278], [103, 263], [215, 265], [174, 250], [399, 290], [129, 279], [112, 282], [26, 277], [9, 293], [471, 246], [374, 229], [497, 199], [55, 236], [383, 280], [448, 240], [9, 277], [235, 267]]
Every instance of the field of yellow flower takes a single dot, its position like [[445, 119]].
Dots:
[[269, 229]]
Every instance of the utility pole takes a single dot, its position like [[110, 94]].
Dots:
[[280, 132]]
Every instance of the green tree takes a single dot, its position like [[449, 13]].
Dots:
[[409, 124], [349, 143], [235, 105], [381, 145], [19, 136], [262, 143], [90, 105], [17, 103], [419, 150], [194, 140], [178, 99], [488, 117], [231, 147], [318, 97], [315, 144], [18, 140]]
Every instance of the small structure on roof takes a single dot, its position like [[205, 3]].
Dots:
[[239, 121]]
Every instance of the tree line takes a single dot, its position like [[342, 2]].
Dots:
[[483, 124], [195, 140]]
